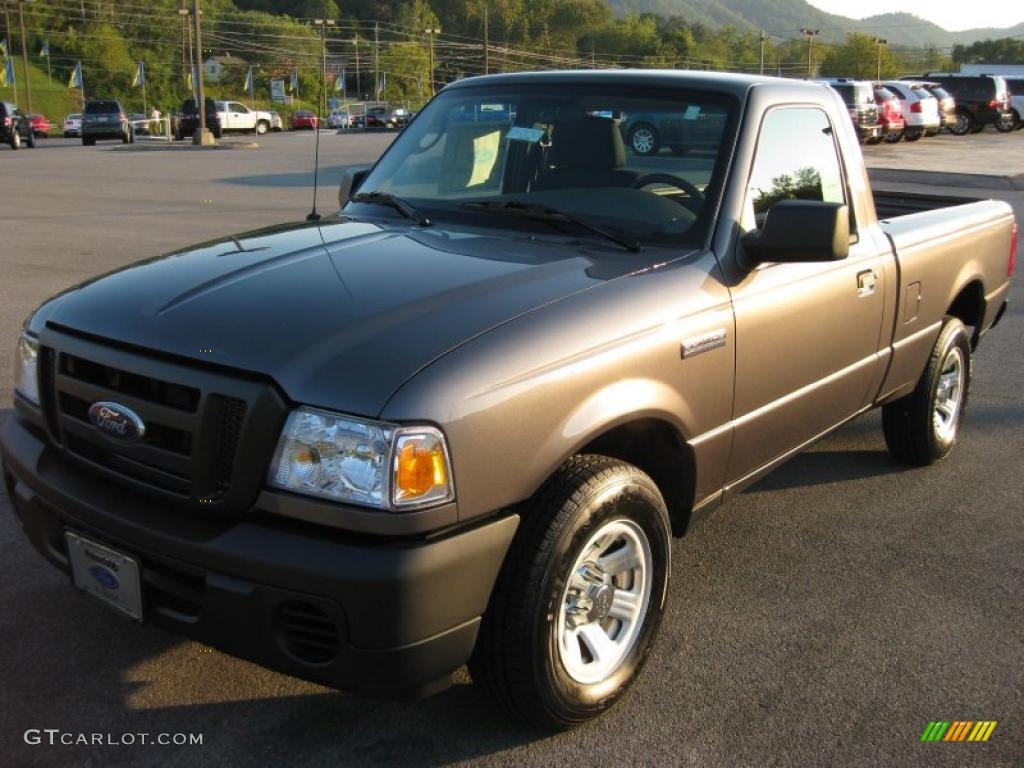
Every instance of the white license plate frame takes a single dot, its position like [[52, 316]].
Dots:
[[106, 574]]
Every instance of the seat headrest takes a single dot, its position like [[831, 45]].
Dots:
[[588, 142]]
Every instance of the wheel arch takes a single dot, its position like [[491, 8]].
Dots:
[[969, 306]]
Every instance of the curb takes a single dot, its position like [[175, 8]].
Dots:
[[170, 146]]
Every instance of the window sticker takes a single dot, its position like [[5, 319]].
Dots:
[[691, 112], [521, 133]]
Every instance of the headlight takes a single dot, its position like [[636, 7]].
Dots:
[[26, 378], [364, 462]]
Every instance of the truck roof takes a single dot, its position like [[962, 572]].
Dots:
[[735, 84]]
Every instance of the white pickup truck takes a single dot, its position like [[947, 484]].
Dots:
[[235, 116]]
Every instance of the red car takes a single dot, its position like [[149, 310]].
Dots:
[[303, 118], [890, 114], [40, 125]]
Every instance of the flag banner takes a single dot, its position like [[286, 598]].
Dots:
[[140, 75], [294, 86], [75, 81], [3, 47], [190, 79], [8, 74], [45, 50], [339, 81], [383, 81], [249, 81]]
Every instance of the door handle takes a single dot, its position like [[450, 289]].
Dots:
[[866, 282]]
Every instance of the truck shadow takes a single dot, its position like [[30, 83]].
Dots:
[[329, 175], [829, 466]]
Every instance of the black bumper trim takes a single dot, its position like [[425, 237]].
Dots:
[[406, 613]]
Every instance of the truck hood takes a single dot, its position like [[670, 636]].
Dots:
[[339, 314]]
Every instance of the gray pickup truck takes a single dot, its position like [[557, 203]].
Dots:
[[461, 420]]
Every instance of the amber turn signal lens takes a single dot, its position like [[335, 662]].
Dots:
[[421, 469]]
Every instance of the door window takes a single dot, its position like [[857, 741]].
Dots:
[[796, 160]]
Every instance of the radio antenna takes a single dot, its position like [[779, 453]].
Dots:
[[320, 108]]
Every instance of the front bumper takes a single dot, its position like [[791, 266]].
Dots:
[[382, 616]]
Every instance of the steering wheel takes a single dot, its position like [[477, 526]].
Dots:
[[679, 182]]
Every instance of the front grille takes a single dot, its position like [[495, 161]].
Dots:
[[307, 632], [199, 425]]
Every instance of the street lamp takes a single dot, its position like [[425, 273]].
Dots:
[[879, 41], [323, 24], [811, 34]]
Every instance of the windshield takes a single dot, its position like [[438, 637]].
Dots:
[[640, 165]]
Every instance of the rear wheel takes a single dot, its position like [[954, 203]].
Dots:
[[977, 128], [912, 135], [579, 598], [31, 140], [892, 138], [922, 427], [874, 140], [88, 142], [963, 123], [1007, 123], [262, 127]]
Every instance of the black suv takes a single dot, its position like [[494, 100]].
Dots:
[[15, 128], [692, 128], [188, 119], [105, 119], [859, 97], [980, 100]]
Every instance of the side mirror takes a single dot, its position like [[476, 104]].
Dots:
[[799, 231], [351, 178]]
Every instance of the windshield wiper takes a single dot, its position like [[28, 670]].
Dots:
[[386, 198], [536, 212]]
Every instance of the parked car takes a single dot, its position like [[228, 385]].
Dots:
[[946, 102], [41, 125], [1015, 85], [980, 100], [237, 117], [105, 119], [15, 127], [304, 119], [920, 108], [478, 445], [376, 117], [276, 123], [339, 119], [188, 119], [398, 118], [690, 127], [859, 97], [140, 123], [890, 113], [73, 125]]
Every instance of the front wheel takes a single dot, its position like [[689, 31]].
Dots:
[[15, 139], [30, 142], [922, 427], [580, 596], [644, 140], [261, 127], [912, 135], [1007, 123]]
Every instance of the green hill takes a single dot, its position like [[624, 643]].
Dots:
[[55, 100]]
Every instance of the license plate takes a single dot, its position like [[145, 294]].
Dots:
[[108, 575]]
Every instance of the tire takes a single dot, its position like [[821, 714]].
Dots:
[[15, 139], [1007, 125], [874, 140], [912, 135], [262, 127], [644, 139], [88, 142], [892, 138], [963, 123], [553, 603], [30, 142], [922, 427], [218, 133], [977, 128]]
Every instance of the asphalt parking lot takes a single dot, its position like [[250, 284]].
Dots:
[[823, 618]]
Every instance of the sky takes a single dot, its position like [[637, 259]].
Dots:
[[953, 15]]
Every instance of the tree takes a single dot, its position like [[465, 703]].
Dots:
[[858, 58]]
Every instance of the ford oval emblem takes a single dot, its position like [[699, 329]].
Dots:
[[104, 577], [117, 421]]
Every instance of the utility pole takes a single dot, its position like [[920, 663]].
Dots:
[[593, 53], [430, 35], [359, 81], [323, 24], [811, 34], [24, 54], [487, 44], [762, 38], [879, 41], [183, 15], [201, 137], [376, 60]]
